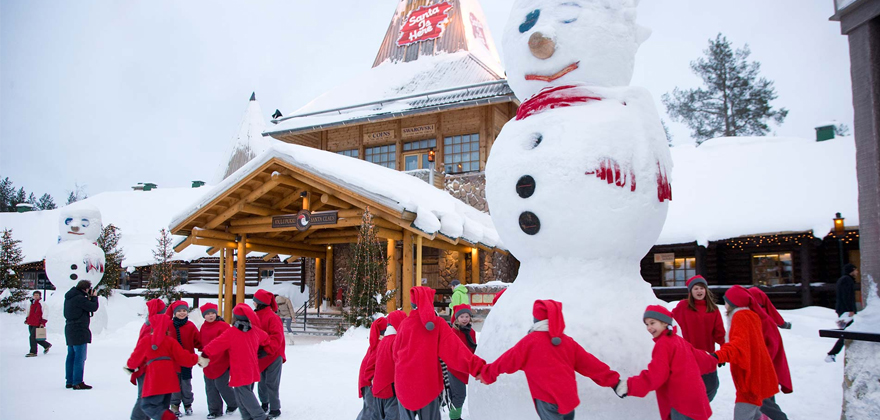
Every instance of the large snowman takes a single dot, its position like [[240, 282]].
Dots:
[[578, 190]]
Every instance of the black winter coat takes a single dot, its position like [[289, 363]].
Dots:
[[78, 309], [846, 295]]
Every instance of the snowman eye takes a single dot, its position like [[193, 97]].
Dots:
[[68, 220], [569, 12], [537, 138], [531, 20], [85, 222]]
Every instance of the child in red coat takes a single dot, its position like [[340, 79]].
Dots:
[[750, 365], [35, 320], [154, 307], [458, 380], [188, 336], [771, 321], [674, 372], [271, 356], [242, 342], [549, 359], [161, 355], [386, 404], [701, 325], [422, 340], [368, 369], [217, 387]]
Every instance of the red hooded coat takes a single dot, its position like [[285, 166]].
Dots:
[[242, 347], [270, 322], [210, 331], [422, 340], [161, 354], [770, 321], [383, 379], [154, 307], [35, 315], [675, 373], [368, 364], [550, 364], [699, 327]]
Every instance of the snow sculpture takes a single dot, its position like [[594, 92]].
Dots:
[[76, 256], [578, 189]]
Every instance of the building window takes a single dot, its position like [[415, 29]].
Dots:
[[382, 155], [677, 272], [420, 144], [771, 269], [350, 153], [461, 153]]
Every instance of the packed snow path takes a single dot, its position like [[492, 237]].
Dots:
[[319, 379]]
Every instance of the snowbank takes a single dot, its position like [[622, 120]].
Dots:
[[862, 398]]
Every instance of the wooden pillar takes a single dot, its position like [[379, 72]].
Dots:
[[227, 299], [462, 267], [407, 280], [806, 258], [328, 276], [220, 276], [319, 279], [419, 260], [240, 266], [392, 274], [475, 266]]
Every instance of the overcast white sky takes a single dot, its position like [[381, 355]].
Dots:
[[109, 93]]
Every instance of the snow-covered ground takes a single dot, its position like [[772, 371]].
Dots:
[[319, 379]]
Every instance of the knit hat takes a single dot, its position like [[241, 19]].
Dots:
[[461, 309], [454, 283], [739, 297], [177, 305], [498, 295], [160, 324], [243, 311], [659, 313], [376, 329], [263, 297], [423, 298], [395, 318], [848, 269], [208, 308], [695, 280], [550, 310], [155, 307]]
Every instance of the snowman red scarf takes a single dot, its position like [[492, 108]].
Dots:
[[555, 97]]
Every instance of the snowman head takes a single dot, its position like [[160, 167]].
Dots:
[[558, 42], [79, 221]]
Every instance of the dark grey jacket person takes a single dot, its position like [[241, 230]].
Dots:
[[78, 309], [846, 291]]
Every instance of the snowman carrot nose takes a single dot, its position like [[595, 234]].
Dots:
[[541, 46]]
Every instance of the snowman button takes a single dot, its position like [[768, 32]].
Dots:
[[73, 277], [73, 266], [525, 187], [529, 223]]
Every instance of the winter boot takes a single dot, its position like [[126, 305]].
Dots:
[[212, 416], [82, 385], [169, 415], [454, 413], [46, 350], [31, 355], [274, 414], [830, 358], [265, 407], [176, 410], [188, 410], [230, 410]]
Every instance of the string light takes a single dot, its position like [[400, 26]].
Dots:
[[851, 236]]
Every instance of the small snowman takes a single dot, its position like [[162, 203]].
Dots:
[[76, 256], [578, 190]]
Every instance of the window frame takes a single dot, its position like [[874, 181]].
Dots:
[[390, 155], [449, 154], [354, 153], [780, 265], [689, 271]]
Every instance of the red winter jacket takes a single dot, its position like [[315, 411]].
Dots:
[[368, 364], [463, 376], [210, 331], [270, 322], [383, 379], [675, 373], [423, 339], [154, 307], [161, 363], [770, 322], [189, 336], [35, 315], [700, 328], [750, 365], [242, 347]]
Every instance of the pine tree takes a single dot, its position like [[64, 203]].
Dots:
[[79, 193], [20, 197], [367, 292], [46, 202], [32, 200], [109, 242], [735, 101], [7, 191], [841, 130], [666, 131], [163, 283], [71, 198], [10, 258]]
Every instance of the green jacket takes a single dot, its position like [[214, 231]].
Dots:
[[459, 296]]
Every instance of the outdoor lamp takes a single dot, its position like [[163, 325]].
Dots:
[[431, 155], [839, 230]]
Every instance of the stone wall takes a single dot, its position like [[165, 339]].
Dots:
[[470, 188]]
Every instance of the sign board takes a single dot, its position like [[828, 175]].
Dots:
[[378, 136], [424, 23], [305, 219], [664, 258], [479, 33], [420, 130]]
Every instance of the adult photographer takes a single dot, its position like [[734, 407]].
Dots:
[[80, 302]]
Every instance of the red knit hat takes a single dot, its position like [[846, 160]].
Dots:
[[376, 329], [208, 308], [695, 280], [176, 304], [498, 295], [461, 309], [245, 310], [395, 318], [550, 310], [160, 325], [739, 297], [264, 297], [659, 313], [423, 297], [155, 307]]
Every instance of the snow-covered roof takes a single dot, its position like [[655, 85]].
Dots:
[[736, 186], [139, 215], [394, 89], [247, 143], [436, 211]]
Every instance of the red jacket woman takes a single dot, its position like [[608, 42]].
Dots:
[[270, 322], [242, 347], [549, 359], [770, 321], [383, 379], [35, 315], [699, 319], [161, 354]]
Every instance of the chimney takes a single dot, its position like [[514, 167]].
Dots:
[[24, 207], [196, 184]]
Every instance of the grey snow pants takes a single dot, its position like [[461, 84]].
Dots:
[[136, 412], [155, 405], [711, 381], [217, 391], [428, 412], [675, 415], [547, 411], [770, 409], [387, 408], [368, 411], [457, 391], [185, 395], [270, 385], [248, 405], [746, 411]]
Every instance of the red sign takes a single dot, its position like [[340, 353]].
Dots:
[[478, 30], [424, 23]]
